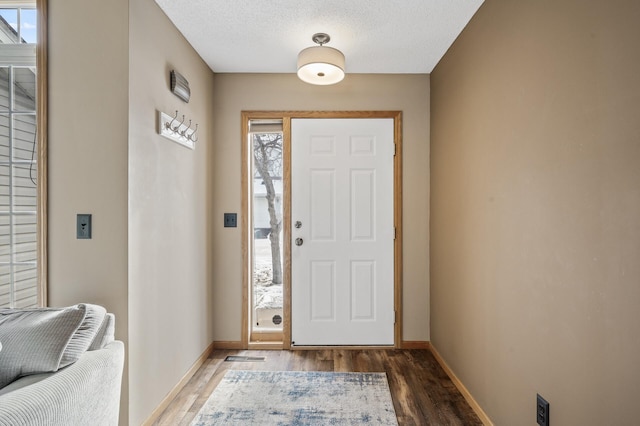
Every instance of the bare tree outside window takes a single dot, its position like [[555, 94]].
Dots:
[[267, 157]]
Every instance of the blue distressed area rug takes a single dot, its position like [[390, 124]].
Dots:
[[299, 398]]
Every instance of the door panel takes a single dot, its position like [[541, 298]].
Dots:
[[322, 215], [323, 284], [342, 256]]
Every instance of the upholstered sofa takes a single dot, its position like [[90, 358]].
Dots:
[[59, 366]]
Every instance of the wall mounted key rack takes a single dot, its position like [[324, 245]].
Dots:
[[177, 130]]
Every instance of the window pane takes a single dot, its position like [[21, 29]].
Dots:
[[5, 285], [4, 188], [25, 286], [267, 230], [4, 137], [4, 89], [24, 85], [24, 187], [18, 158], [5, 247], [24, 137], [8, 26], [24, 238], [29, 25]]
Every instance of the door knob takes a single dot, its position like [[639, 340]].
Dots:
[[299, 241]]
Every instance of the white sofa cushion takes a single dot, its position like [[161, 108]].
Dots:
[[45, 339], [24, 381]]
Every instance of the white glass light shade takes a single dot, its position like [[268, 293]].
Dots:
[[321, 65]]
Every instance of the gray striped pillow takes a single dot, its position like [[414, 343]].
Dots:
[[105, 334], [45, 339], [84, 334]]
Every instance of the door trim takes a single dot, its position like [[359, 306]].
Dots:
[[286, 117]]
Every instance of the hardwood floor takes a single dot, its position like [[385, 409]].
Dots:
[[422, 392]]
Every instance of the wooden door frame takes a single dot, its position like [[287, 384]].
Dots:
[[286, 117]]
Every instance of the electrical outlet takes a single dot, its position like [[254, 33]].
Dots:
[[542, 411], [230, 220], [83, 227]]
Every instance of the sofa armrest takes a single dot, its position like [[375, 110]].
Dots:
[[86, 392]]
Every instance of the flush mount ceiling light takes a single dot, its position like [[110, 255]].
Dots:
[[320, 64]]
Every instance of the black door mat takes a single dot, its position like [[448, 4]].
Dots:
[[239, 358]]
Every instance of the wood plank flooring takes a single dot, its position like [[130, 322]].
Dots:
[[422, 392]]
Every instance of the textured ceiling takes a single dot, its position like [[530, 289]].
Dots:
[[376, 36]]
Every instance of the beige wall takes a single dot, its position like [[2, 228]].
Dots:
[[88, 116], [237, 92], [535, 237], [150, 198], [170, 195]]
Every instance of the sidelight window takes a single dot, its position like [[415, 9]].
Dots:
[[267, 190]]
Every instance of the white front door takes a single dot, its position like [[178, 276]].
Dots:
[[342, 255]]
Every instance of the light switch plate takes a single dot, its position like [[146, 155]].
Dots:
[[83, 226]]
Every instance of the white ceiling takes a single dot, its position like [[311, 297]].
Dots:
[[376, 36]]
